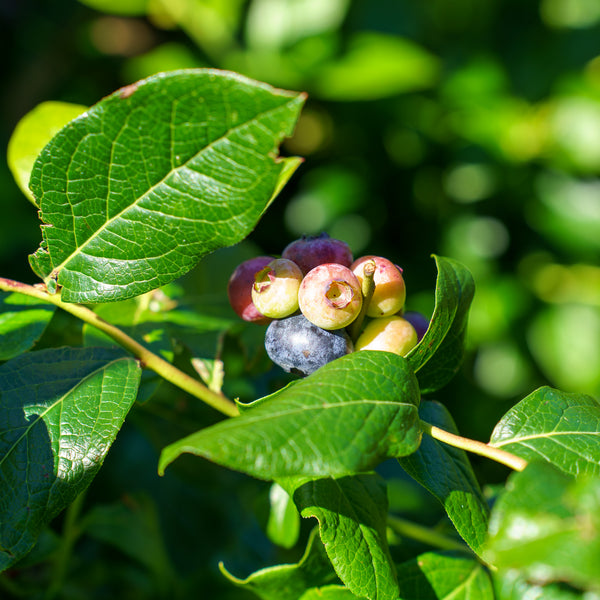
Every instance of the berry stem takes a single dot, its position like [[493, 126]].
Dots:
[[497, 454], [148, 359], [368, 288]]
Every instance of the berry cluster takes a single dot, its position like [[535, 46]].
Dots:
[[315, 299]]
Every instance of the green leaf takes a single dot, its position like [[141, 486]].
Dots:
[[60, 410], [22, 322], [329, 592], [289, 582], [32, 133], [160, 173], [376, 66], [441, 576], [560, 427], [438, 356], [446, 472], [352, 516], [509, 585], [347, 417], [546, 527], [283, 526]]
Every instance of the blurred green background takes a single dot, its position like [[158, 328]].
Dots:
[[468, 129]]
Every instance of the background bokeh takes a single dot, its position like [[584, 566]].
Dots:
[[468, 129]]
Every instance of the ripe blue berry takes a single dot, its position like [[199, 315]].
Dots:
[[300, 347]]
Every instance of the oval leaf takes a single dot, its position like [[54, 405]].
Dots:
[[559, 427], [352, 516], [438, 356], [436, 575], [60, 410], [32, 133], [446, 472], [546, 527], [22, 322], [347, 417], [135, 191]]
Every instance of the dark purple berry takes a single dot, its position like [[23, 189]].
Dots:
[[418, 321], [310, 251]]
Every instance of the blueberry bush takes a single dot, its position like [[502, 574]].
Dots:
[[133, 193]]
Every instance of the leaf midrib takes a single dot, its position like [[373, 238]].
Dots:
[[56, 269], [542, 436], [54, 405], [320, 407]]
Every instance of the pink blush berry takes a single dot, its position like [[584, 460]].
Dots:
[[330, 296], [390, 291]]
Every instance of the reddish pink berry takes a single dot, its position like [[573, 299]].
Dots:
[[239, 289]]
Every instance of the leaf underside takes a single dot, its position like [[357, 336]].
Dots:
[[135, 191], [438, 356]]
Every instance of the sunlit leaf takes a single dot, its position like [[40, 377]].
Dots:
[[562, 428], [60, 410], [446, 472], [150, 179], [438, 356], [22, 322], [345, 418], [440, 576], [546, 527], [329, 592], [352, 516], [510, 585], [32, 133]]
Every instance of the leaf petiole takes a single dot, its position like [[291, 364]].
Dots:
[[500, 456], [148, 359]]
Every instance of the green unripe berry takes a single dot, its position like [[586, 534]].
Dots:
[[275, 289], [392, 334]]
